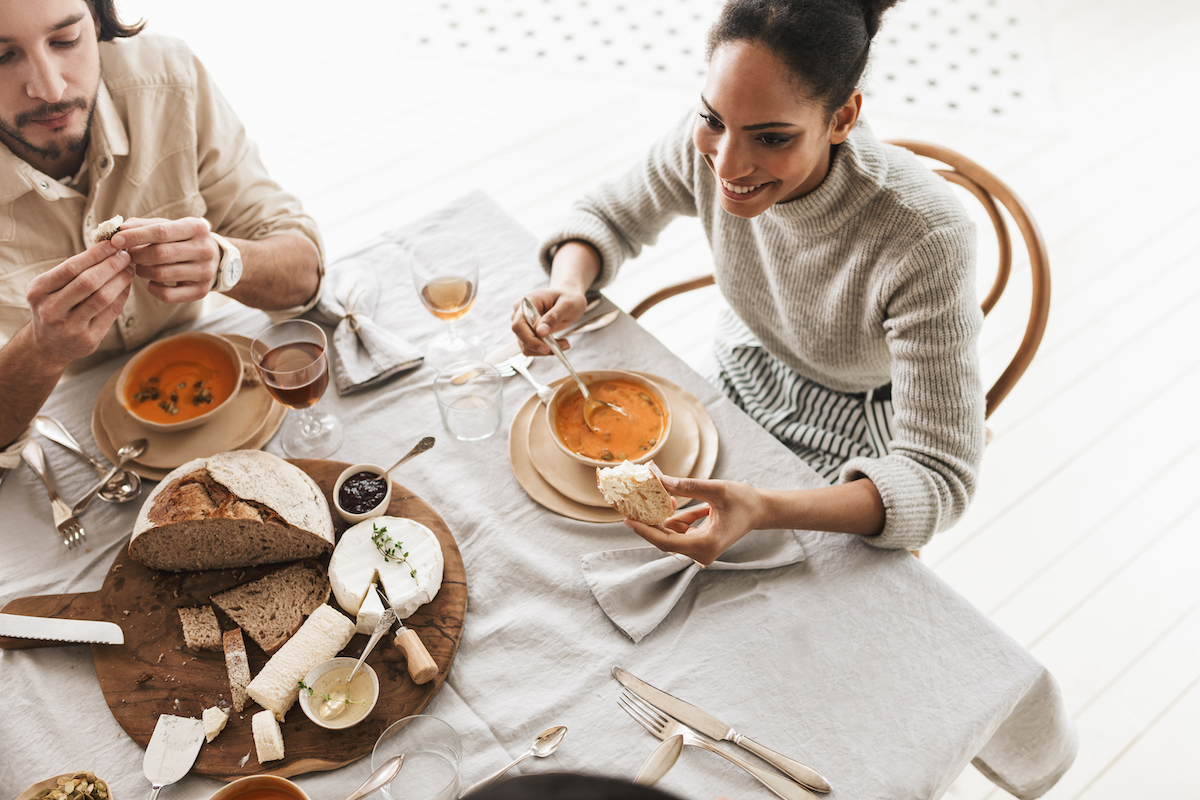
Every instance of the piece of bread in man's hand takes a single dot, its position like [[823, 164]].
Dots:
[[105, 230], [636, 490]]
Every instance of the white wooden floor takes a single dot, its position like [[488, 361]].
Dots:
[[1083, 540]]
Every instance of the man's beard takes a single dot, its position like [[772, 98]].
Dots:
[[51, 151]]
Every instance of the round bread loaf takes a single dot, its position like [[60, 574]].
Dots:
[[238, 509]]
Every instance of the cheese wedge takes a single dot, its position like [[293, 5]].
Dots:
[[214, 721], [268, 739], [319, 639], [357, 562], [369, 612]]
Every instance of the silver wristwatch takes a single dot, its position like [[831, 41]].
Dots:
[[229, 268]]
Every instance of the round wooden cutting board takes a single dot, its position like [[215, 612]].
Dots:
[[153, 673]]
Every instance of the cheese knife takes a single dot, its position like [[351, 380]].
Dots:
[[22, 626], [421, 666], [711, 726]]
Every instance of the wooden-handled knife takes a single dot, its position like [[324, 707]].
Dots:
[[421, 666]]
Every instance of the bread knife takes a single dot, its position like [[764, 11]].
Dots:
[[421, 666], [54, 631], [710, 726]]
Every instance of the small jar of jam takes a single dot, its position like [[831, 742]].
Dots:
[[362, 491]]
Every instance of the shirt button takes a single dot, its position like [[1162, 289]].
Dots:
[[104, 163], [43, 184], [129, 322], [88, 221]]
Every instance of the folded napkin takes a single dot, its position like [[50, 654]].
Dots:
[[638, 587], [367, 353]]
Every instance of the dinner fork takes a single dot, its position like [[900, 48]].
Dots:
[[664, 727], [68, 526], [520, 363]]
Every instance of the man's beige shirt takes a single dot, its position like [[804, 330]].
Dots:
[[164, 143]]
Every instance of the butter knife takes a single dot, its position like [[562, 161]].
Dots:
[[710, 726]]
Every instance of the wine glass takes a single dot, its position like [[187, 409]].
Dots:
[[291, 358], [445, 272]]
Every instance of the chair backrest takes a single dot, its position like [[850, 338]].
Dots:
[[988, 190]]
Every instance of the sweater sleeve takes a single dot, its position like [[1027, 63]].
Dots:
[[932, 322], [621, 216]]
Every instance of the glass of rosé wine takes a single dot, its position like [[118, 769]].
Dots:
[[445, 271], [291, 360]]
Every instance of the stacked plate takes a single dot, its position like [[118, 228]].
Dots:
[[248, 424], [567, 487]]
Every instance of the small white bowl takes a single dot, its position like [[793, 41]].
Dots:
[[223, 348], [569, 388], [375, 511], [317, 672]]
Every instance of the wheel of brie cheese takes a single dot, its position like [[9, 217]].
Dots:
[[403, 556]]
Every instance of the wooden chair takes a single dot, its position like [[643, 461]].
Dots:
[[991, 192]]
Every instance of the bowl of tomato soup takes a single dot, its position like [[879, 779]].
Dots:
[[181, 381], [636, 435], [260, 787]]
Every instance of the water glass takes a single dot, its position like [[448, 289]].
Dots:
[[432, 759], [469, 399]]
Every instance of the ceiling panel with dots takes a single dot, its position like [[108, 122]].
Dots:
[[969, 60]]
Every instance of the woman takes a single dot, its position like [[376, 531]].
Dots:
[[849, 269]]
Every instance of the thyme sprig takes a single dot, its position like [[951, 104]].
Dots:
[[304, 687], [391, 549]]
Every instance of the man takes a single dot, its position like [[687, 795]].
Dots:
[[96, 121]]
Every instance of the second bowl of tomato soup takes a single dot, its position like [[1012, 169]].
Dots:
[[181, 381], [635, 435]]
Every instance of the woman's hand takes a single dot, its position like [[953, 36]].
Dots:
[[179, 257], [557, 308], [733, 509]]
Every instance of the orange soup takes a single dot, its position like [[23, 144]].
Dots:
[[618, 437], [181, 380]]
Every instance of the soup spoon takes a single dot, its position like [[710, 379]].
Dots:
[[590, 404], [121, 488], [545, 744], [381, 777], [125, 453]]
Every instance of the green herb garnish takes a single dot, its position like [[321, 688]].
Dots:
[[390, 549]]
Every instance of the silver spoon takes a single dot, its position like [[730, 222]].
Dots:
[[385, 622], [125, 453], [660, 761], [545, 744], [381, 777], [121, 488], [418, 448], [590, 404]]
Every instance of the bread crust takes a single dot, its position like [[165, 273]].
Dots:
[[648, 501]]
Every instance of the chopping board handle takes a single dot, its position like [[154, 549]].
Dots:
[[421, 665], [58, 606]]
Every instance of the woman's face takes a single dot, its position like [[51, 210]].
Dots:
[[765, 140]]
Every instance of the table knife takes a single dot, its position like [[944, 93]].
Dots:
[[421, 666], [61, 630], [710, 726]]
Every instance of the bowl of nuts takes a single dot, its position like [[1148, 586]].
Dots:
[[80, 785]]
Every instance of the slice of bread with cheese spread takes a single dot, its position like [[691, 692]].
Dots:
[[237, 509], [320, 638], [401, 554], [636, 491]]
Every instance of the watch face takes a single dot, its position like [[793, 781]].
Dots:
[[233, 272]]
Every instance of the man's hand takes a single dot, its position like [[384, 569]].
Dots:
[[74, 304], [732, 511], [179, 257]]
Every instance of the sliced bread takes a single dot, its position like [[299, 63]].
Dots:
[[273, 607], [268, 739], [323, 635], [200, 628], [636, 491], [238, 667], [237, 509]]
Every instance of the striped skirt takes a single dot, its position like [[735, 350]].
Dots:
[[826, 428]]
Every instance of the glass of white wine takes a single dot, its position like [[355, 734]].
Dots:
[[445, 271]]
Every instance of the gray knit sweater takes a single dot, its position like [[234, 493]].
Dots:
[[867, 279]]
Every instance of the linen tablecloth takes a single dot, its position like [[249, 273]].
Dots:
[[858, 661]]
